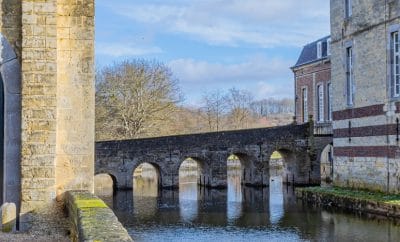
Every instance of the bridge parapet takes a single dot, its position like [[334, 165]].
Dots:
[[253, 147]]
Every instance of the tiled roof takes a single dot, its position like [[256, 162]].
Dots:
[[309, 52]]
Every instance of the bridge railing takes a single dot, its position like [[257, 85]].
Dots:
[[323, 128]]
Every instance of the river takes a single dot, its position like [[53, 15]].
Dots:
[[239, 214]]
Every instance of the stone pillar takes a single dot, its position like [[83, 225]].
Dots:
[[57, 101], [39, 106], [75, 96]]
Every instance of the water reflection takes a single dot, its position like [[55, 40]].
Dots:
[[268, 214], [276, 206], [234, 206]]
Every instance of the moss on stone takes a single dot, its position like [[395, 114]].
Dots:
[[90, 203], [390, 199]]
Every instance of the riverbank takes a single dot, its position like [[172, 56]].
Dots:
[[356, 200]]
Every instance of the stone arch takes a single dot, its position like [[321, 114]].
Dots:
[[204, 176], [290, 164], [326, 162], [156, 168], [10, 167], [113, 178], [254, 173]]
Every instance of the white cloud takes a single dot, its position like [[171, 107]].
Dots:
[[263, 77], [124, 49], [265, 23]]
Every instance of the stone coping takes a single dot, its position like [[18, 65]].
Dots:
[[357, 200], [92, 220]]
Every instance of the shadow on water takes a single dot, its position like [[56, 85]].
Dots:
[[239, 214]]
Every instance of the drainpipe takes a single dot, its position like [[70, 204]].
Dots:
[[388, 93]]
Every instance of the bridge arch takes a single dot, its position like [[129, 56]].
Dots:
[[142, 173], [326, 160], [202, 171], [111, 176], [10, 121], [289, 161], [102, 184]]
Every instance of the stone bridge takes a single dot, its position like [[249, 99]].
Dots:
[[254, 147]]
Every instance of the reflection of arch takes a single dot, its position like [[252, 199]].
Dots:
[[10, 77]]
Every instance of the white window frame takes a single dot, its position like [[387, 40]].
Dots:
[[329, 95], [320, 102], [328, 46], [304, 103], [348, 8], [395, 63], [319, 50], [350, 76]]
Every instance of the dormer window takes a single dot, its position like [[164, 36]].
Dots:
[[348, 8], [319, 50], [328, 46]]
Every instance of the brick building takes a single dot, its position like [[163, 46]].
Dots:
[[312, 75], [366, 89]]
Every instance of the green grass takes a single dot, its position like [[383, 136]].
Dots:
[[391, 199]]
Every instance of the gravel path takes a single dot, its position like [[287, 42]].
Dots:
[[51, 225]]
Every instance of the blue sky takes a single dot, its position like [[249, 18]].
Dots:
[[213, 44]]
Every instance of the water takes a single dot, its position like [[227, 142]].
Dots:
[[239, 214]]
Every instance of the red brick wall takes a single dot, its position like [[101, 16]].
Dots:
[[304, 77]]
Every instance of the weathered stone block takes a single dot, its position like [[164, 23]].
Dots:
[[8, 217]]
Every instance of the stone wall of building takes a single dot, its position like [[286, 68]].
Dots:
[[366, 146], [11, 23], [54, 40]]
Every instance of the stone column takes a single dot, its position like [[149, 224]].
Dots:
[[75, 96]]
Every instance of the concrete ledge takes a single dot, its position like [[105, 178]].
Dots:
[[92, 220], [356, 200]]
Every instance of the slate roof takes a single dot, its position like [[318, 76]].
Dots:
[[309, 52]]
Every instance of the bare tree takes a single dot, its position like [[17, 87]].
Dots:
[[134, 99], [239, 107], [214, 107]]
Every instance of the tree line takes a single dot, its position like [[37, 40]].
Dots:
[[141, 98]]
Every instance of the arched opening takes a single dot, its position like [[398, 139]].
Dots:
[[235, 173], [283, 166], [105, 185], [279, 166], [189, 180], [326, 161], [146, 180], [10, 126]]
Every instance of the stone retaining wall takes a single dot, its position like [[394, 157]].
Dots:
[[389, 208], [92, 220]]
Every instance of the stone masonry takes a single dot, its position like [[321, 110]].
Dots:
[[54, 41], [211, 150], [366, 132]]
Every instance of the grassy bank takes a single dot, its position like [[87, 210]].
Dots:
[[356, 200], [390, 199]]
